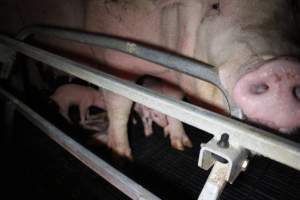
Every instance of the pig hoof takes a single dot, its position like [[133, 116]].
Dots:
[[123, 152], [187, 142], [178, 140], [148, 133], [121, 147], [100, 138], [181, 142], [177, 144]]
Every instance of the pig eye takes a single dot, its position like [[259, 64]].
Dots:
[[259, 89], [214, 9], [296, 92], [215, 6]]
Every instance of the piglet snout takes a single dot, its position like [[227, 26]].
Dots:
[[270, 95]]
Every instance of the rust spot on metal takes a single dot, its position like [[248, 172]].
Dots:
[[131, 47]]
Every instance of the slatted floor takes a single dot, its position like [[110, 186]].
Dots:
[[36, 167]]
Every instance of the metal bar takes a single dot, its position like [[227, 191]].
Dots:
[[240, 134], [215, 183], [110, 174], [169, 60]]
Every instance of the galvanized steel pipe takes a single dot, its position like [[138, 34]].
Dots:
[[169, 60]]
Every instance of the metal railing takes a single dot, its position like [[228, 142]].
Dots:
[[243, 139], [113, 176], [172, 61]]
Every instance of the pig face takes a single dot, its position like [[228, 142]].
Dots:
[[253, 44]]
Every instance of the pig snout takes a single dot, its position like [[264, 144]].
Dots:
[[270, 95]]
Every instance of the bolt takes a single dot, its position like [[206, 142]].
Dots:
[[224, 143]]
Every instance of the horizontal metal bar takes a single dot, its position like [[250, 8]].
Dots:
[[170, 60], [194, 68], [110, 174], [240, 134]]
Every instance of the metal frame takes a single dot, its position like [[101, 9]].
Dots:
[[176, 62], [113, 176], [243, 139]]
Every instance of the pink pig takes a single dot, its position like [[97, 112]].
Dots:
[[73, 94], [84, 97]]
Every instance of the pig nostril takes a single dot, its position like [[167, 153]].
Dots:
[[259, 89], [296, 92]]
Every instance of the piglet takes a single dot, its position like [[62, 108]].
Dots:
[[172, 127], [72, 94]]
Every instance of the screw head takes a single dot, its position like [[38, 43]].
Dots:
[[224, 141]]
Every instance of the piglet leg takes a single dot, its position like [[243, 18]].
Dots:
[[83, 109], [147, 121], [178, 137], [98, 122]]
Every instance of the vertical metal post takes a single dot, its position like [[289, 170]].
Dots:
[[215, 183]]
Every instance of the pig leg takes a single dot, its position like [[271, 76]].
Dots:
[[145, 114], [175, 130], [147, 121], [64, 111], [174, 127], [118, 109], [83, 109]]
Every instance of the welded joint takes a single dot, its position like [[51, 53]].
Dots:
[[235, 157]]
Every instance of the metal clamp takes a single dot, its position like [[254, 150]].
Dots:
[[229, 161]]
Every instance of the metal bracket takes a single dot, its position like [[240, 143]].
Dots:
[[229, 161]]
